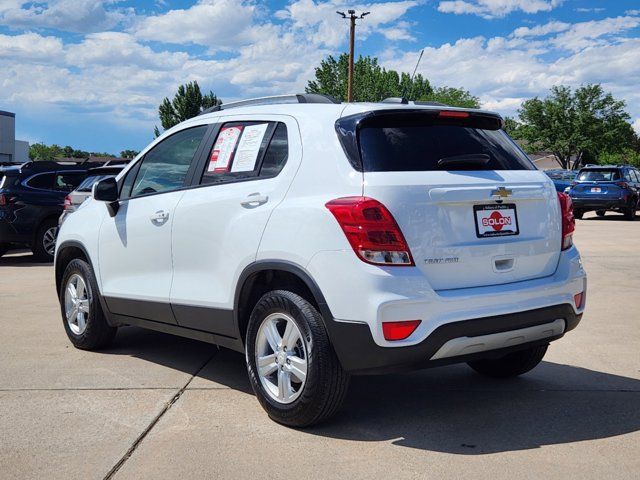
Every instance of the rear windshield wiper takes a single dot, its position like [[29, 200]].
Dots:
[[471, 159]]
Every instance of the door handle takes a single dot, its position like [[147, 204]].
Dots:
[[159, 217], [254, 200]]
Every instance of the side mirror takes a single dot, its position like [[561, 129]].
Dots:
[[106, 190]]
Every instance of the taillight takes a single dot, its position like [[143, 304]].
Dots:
[[622, 184], [3, 200], [371, 230], [577, 299], [399, 330], [67, 202], [568, 222]]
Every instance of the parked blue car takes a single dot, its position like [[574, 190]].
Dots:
[[561, 178], [606, 188]]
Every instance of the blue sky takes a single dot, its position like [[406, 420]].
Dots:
[[91, 73]]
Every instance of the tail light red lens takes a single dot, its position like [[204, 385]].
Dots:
[[394, 331], [577, 299], [371, 230], [3, 200], [67, 202], [568, 222], [622, 184]]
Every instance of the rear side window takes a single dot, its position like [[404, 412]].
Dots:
[[165, 166], [245, 150], [87, 184], [600, 175], [42, 181], [68, 181]]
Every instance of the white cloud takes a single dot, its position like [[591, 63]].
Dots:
[[541, 30], [29, 45], [636, 125], [217, 24], [321, 25], [596, 32], [67, 15], [496, 8]]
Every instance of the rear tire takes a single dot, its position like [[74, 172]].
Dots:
[[322, 389], [44, 249], [578, 214], [86, 326], [601, 213], [512, 364], [630, 213]]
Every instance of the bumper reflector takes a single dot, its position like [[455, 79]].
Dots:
[[399, 330]]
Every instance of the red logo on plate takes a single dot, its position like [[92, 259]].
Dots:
[[496, 221]]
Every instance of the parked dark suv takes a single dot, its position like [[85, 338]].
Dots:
[[31, 200], [606, 188]]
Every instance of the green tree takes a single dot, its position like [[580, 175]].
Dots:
[[575, 125], [371, 82], [129, 153], [40, 152], [511, 126], [454, 97], [627, 156], [187, 103]]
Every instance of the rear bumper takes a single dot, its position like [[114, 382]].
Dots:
[[359, 354], [599, 203]]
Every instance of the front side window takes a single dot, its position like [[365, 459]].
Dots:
[[164, 168]]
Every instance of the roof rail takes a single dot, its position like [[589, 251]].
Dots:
[[276, 100]]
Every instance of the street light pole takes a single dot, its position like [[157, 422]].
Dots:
[[352, 34]]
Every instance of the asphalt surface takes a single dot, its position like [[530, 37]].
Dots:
[[156, 406]]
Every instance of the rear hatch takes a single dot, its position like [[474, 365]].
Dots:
[[473, 208], [598, 184]]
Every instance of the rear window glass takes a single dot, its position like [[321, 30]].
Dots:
[[603, 175], [399, 146]]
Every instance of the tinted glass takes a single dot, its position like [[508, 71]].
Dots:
[[403, 146], [600, 175], [627, 176], [276, 155], [237, 152], [68, 182], [635, 175], [87, 184], [165, 167], [42, 181]]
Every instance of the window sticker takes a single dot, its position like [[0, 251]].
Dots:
[[222, 153], [249, 147]]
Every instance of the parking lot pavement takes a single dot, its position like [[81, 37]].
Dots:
[[156, 406]]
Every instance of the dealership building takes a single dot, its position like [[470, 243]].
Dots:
[[11, 150]]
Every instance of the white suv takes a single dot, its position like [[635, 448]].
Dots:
[[326, 239]]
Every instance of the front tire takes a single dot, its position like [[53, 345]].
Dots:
[[292, 366], [630, 213], [578, 214], [82, 315], [512, 364]]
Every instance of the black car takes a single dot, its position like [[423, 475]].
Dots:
[[606, 187], [31, 200]]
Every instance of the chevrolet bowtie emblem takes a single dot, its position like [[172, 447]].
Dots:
[[501, 192]]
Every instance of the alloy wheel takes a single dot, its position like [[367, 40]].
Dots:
[[76, 304], [281, 358]]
